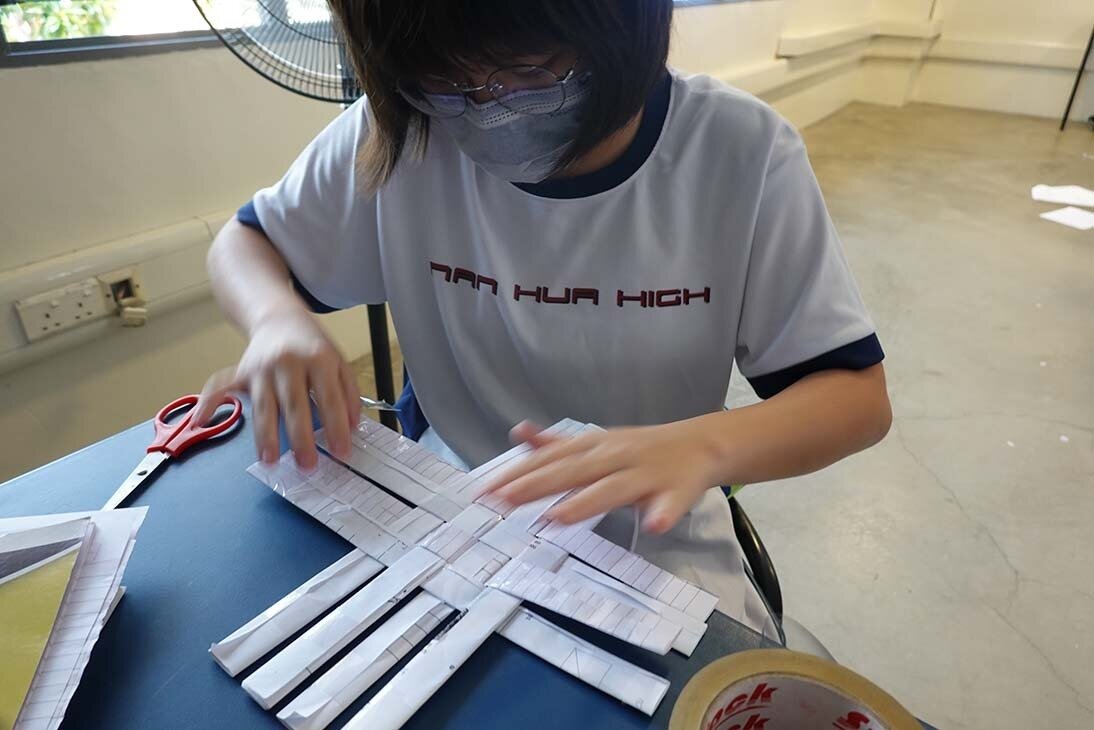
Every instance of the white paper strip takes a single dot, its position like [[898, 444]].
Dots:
[[586, 601], [414, 525], [691, 628], [508, 540], [407, 454], [448, 542], [634, 570], [479, 562], [338, 687], [441, 506], [477, 477], [277, 623], [543, 554], [528, 514], [356, 509], [269, 684], [452, 588], [476, 520], [398, 463], [628, 683], [432, 666]]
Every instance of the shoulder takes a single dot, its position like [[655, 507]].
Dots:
[[351, 125], [725, 121]]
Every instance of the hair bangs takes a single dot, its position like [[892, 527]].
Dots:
[[623, 44], [445, 38]]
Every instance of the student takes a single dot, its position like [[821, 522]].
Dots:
[[562, 227]]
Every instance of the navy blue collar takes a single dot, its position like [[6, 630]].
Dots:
[[606, 178]]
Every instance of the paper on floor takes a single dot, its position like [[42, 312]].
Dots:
[[1064, 195], [1072, 217]]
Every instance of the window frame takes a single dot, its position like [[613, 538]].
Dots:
[[70, 50]]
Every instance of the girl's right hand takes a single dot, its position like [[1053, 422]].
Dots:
[[288, 357]]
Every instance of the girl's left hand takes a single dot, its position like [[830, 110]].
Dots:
[[662, 469]]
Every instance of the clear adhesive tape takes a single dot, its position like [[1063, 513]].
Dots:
[[777, 689]]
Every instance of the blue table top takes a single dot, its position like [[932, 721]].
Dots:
[[218, 547]]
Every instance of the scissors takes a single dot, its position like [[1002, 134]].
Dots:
[[172, 439]]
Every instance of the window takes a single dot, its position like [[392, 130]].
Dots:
[[48, 31]]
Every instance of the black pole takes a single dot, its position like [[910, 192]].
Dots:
[[381, 360], [1078, 80]]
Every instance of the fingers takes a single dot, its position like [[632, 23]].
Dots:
[[292, 395], [351, 393], [264, 420], [665, 509], [562, 475], [541, 457], [614, 490], [218, 384], [527, 432], [330, 397]]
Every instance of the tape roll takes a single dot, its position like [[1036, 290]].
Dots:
[[777, 689]]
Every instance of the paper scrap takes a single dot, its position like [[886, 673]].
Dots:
[[1064, 195], [1072, 217]]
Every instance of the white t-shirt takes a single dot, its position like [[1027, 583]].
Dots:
[[625, 306]]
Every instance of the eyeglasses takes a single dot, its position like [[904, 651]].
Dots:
[[522, 89]]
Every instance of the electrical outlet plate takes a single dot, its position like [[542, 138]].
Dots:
[[64, 308]]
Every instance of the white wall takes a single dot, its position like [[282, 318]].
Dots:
[[98, 151], [739, 43], [1051, 21], [1017, 57]]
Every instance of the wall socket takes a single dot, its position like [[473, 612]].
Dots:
[[62, 309]]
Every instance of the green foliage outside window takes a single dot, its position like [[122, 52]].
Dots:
[[55, 19]]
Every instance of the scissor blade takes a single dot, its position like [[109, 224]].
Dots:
[[148, 465], [377, 405]]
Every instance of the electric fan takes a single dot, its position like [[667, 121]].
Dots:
[[296, 44]]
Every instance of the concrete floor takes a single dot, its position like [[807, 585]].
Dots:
[[951, 564]]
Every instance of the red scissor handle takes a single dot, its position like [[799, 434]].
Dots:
[[175, 438]]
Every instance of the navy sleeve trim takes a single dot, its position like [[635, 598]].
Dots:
[[249, 217], [857, 355], [313, 304]]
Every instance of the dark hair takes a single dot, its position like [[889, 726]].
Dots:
[[623, 43]]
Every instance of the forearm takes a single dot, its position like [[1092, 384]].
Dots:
[[250, 280], [810, 425]]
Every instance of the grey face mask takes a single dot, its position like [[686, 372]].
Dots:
[[518, 147]]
